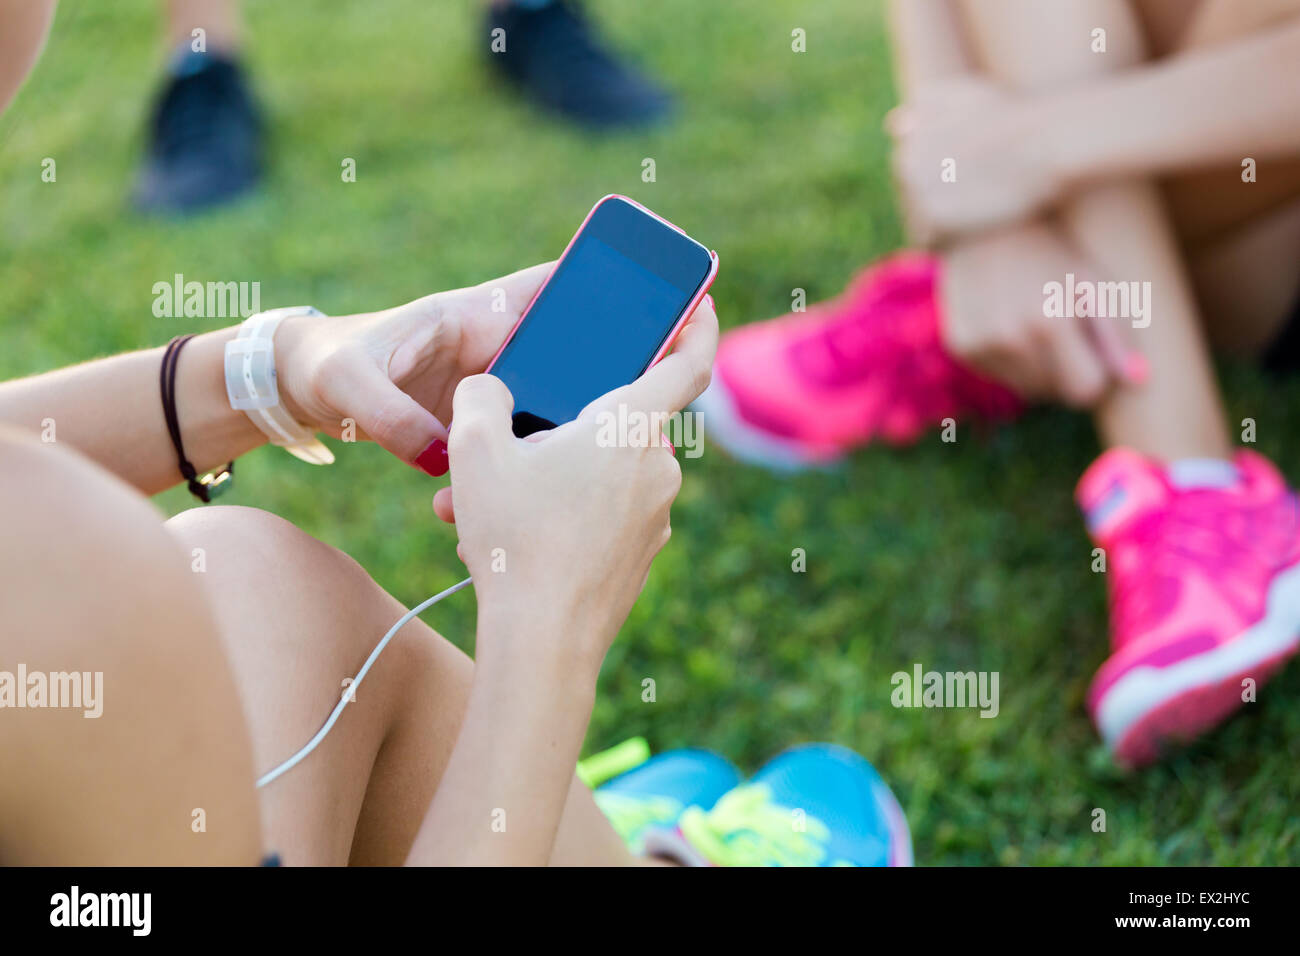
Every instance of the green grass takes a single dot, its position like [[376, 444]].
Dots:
[[958, 556]]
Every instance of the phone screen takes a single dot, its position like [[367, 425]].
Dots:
[[607, 309]]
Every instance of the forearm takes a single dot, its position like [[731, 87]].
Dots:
[[504, 789], [1216, 106], [111, 411]]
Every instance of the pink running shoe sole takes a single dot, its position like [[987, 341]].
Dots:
[[1151, 706]]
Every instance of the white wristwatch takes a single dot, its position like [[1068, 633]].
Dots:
[[251, 385]]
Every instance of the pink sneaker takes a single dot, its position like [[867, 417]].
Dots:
[[1204, 593], [806, 388]]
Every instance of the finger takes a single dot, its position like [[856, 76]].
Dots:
[[385, 413], [915, 225], [442, 505], [899, 121], [1010, 371], [1017, 361], [1080, 374], [919, 229], [1001, 353], [1124, 363], [480, 418], [518, 287], [679, 378]]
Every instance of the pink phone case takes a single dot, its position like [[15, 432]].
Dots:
[[686, 313]]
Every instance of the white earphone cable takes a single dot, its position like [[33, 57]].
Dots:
[[350, 693]]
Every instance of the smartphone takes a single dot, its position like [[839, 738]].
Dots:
[[611, 307]]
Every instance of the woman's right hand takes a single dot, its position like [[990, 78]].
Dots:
[[996, 319], [969, 156], [561, 528]]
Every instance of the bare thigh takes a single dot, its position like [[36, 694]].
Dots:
[[92, 585], [298, 618], [1248, 281]]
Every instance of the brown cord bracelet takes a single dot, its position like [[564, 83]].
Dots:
[[204, 487]]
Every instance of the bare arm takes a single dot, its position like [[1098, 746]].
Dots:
[[503, 791], [111, 411], [558, 535], [1213, 106], [1021, 152], [391, 372]]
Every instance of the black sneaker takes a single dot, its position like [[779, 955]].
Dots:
[[205, 138], [552, 56]]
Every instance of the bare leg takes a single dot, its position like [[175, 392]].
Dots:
[[299, 617], [1242, 239], [233, 606], [1247, 281], [94, 585], [1121, 226], [219, 19]]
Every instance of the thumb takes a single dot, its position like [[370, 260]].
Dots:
[[1127, 364], [389, 417], [480, 412]]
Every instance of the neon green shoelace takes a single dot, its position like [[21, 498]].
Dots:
[[618, 759], [631, 816], [746, 828]]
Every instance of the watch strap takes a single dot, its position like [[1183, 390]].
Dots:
[[251, 385]]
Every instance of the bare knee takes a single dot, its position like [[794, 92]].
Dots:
[[286, 602], [300, 618], [279, 593], [238, 546], [1033, 45]]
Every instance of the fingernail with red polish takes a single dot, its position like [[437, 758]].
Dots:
[[433, 460], [1138, 368]]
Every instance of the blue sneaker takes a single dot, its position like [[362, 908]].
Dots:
[[815, 805], [556, 59], [655, 791], [205, 138]]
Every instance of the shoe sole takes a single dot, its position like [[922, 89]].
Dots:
[[1150, 706], [900, 834], [747, 443]]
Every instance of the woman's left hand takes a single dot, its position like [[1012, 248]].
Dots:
[[393, 373]]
